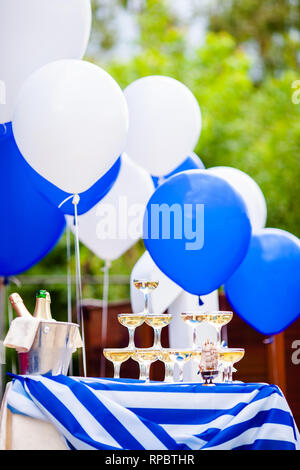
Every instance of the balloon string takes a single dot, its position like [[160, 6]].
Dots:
[[69, 284], [69, 294], [67, 199], [105, 270], [10, 319], [14, 280], [76, 199], [2, 321]]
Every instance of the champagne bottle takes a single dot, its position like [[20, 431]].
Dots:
[[18, 305], [42, 307]]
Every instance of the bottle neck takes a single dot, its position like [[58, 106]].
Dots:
[[42, 309], [48, 308], [18, 305]]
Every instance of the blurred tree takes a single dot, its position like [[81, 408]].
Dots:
[[274, 25], [110, 22], [104, 33]]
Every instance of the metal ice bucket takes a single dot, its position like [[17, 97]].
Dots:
[[51, 351]]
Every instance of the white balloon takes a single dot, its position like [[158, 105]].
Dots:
[[113, 225], [165, 123], [250, 192], [71, 123], [34, 33], [160, 298]]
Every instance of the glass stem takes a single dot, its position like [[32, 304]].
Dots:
[[180, 365], [143, 372], [169, 372], [157, 334], [147, 367], [230, 373], [146, 297], [117, 367], [131, 344], [194, 338], [218, 336]]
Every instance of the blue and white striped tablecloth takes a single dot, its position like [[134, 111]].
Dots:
[[129, 414]]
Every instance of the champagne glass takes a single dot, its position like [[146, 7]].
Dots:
[[117, 357], [194, 320], [230, 356], [145, 287], [157, 322], [164, 356], [219, 319], [180, 357], [145, 357], [131, 321]]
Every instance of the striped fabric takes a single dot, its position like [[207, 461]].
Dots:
[[119, 414]]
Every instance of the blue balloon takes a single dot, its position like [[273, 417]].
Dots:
[[190, 163], [30, 224], [208, 234], [265, 288]]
